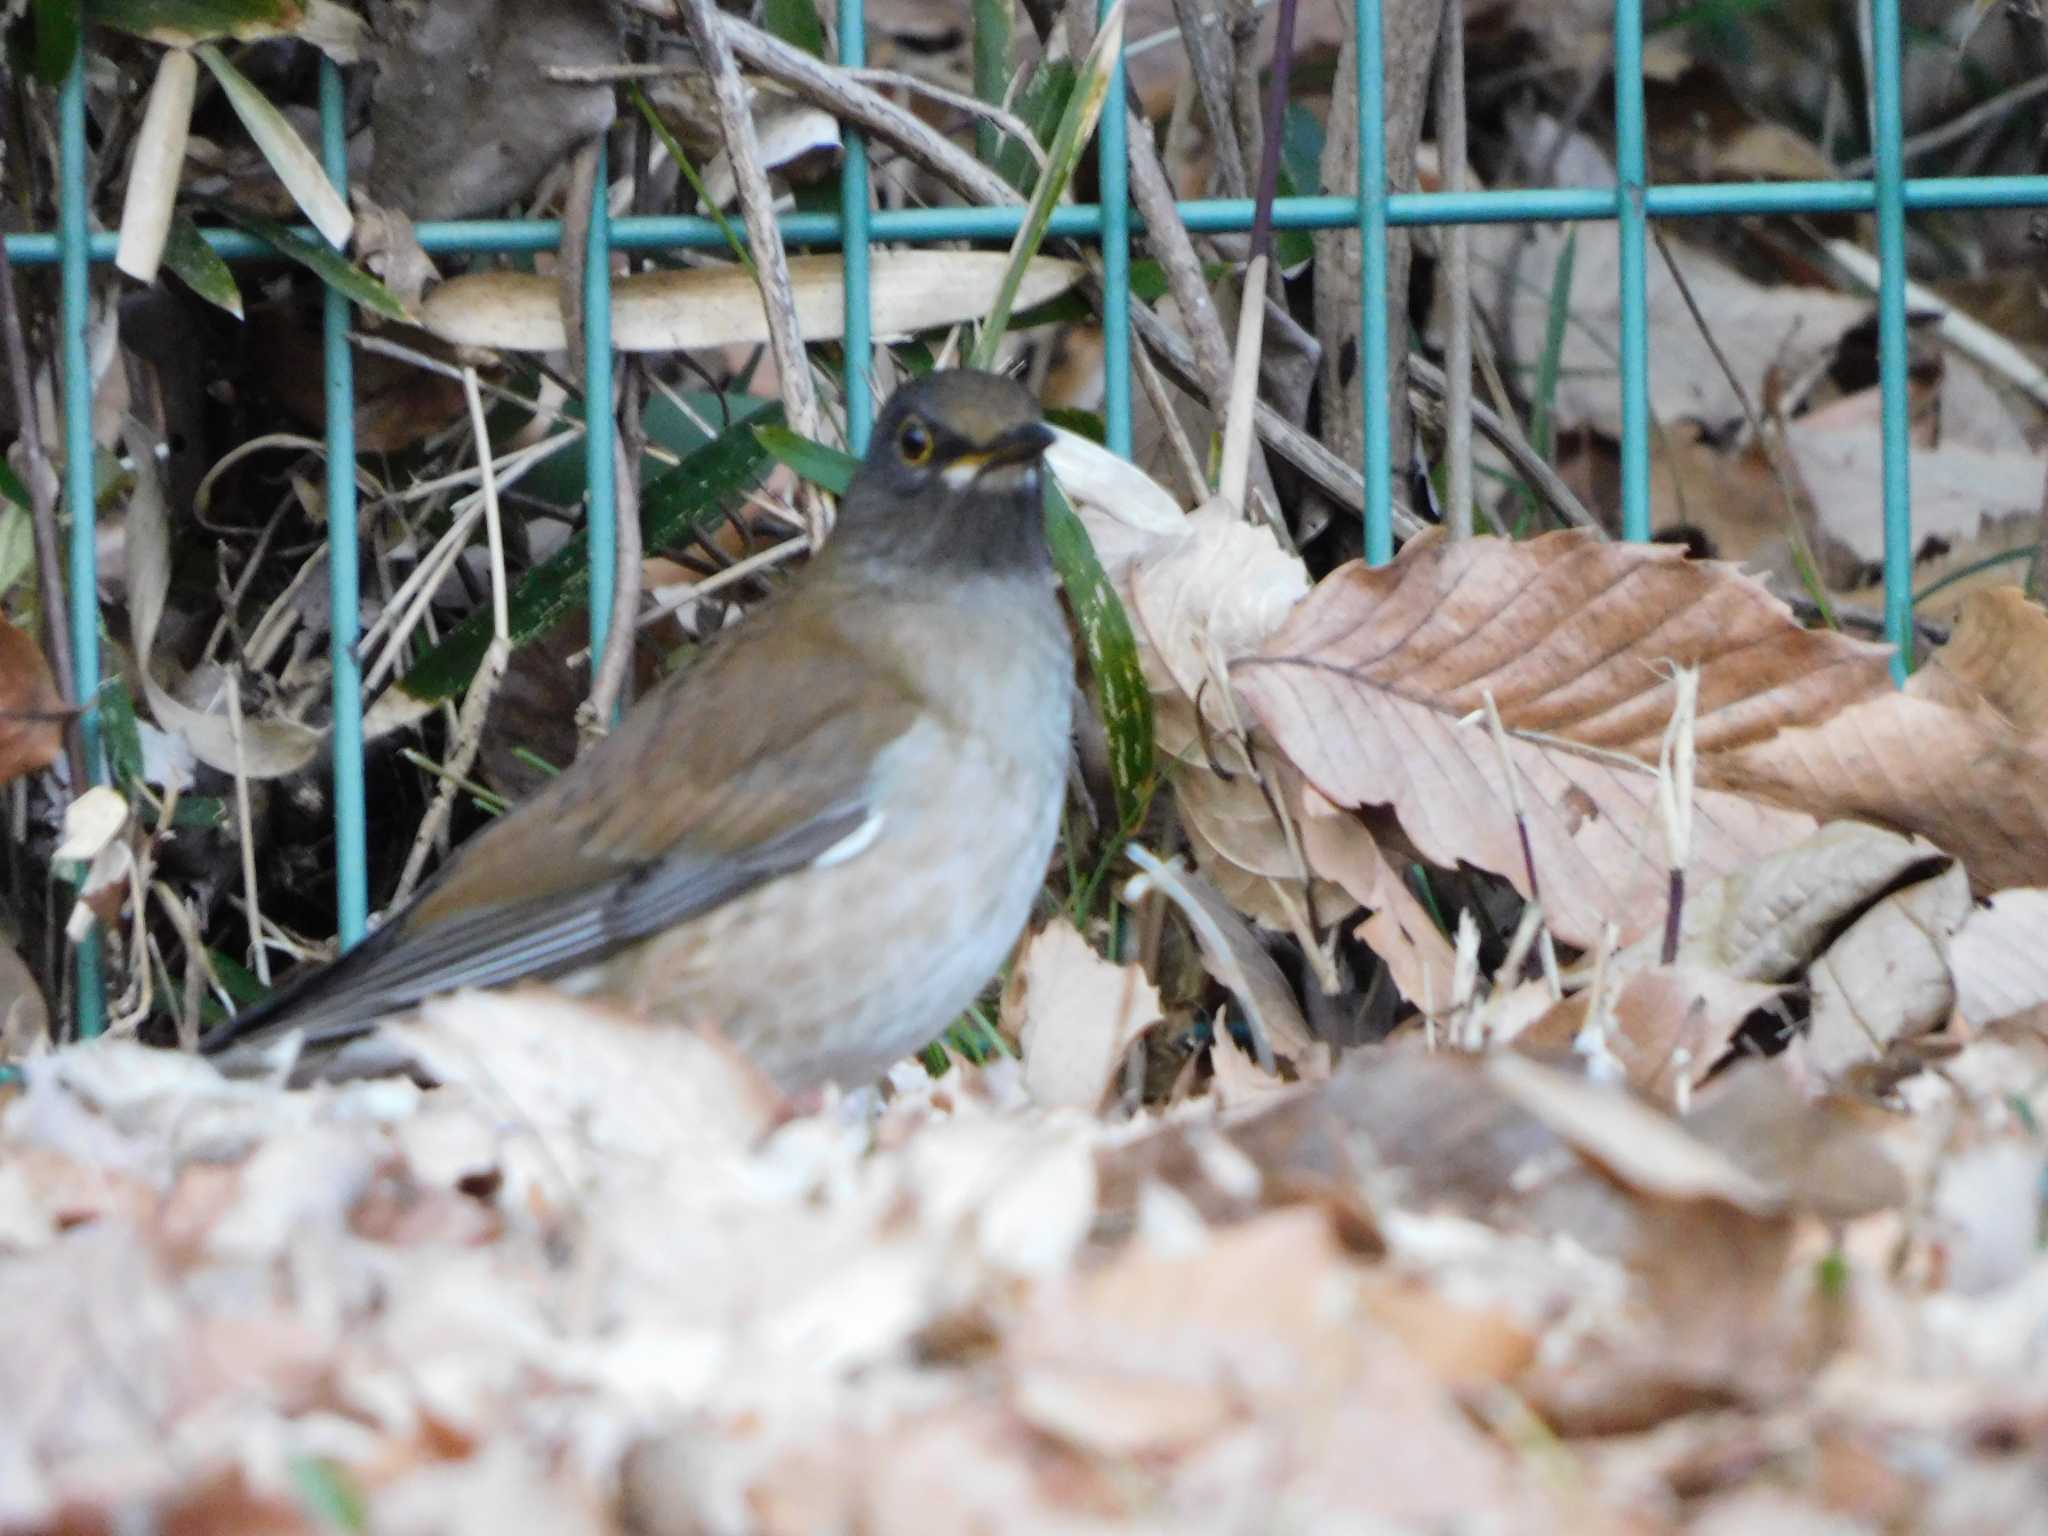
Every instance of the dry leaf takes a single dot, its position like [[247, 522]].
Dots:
[[1667, 1027], [1761, 331], [1370, 687], [2001, 963], [1231, 952], [1769, 920], [1074, 1016], [268, 748], [720, 306], [31, 714], [1643, 1148], [1400, 930], [589, 1080], [1961, 493], [1887, 979], [1997, 656], [1965, 780]]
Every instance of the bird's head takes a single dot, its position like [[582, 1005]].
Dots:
[[953, 477]]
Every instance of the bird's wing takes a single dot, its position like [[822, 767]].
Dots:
[[758, 761]]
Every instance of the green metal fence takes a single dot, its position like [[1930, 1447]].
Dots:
[[1632, 203]]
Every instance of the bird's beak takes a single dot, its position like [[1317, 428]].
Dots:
[[1020, 445]]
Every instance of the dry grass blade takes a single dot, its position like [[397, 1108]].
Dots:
[[153, 172], [1367, 689]]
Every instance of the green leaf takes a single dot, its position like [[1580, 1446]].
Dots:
[[17, 546], [187, 254], [1087, 424], [200, 813], [12, 488], [1112, 651], [122, 735], [332, 268], [1148, 284], [196, 21], [56, 40], [1301, 174], [563, 478], [796, 23], [822, 466], [993, 23], [328, 1493], [674, 509], [1039, 106], [1105, 58]]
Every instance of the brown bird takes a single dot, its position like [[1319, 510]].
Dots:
[[825, 834]]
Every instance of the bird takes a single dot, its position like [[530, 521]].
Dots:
[[826, 833]]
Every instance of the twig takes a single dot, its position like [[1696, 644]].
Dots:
[[764, 236], [1011, 124], [1340, 481], [608, 687], [1182, 451], [1504, 434], [739, 571], [1237, 425], [476, 703], [1168, 239], [245, 833], [1200, 26], [42, 494], [1781, 474], [1993, 109], [1457, 273]]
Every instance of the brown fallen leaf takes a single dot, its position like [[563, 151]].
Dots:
[[32, 716], [2001, 963], [1399, 930], [1074, 1015], [1769, 920], [1886, 980], [1668, 1027], [1967, 781], [1372, 689], [1996, 656]]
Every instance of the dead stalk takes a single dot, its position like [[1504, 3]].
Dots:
[[259, 958], [1457, 273], [764, 239]]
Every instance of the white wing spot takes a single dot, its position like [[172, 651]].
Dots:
[[853, 844]]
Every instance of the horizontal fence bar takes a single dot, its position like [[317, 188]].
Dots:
[[1205, 217]]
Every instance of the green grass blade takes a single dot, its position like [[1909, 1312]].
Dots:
[[1111, 647], [1077, 123], [993, 24], [199, 268], [332, 268]]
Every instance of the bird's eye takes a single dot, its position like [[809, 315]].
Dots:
[[914, 442]]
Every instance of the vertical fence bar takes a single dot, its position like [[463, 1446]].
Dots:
[[1115, 180], [344, 565], [597, 411], [1632, 228], [853, 224], [79, 490], [1372, 263], [1889, 173]]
